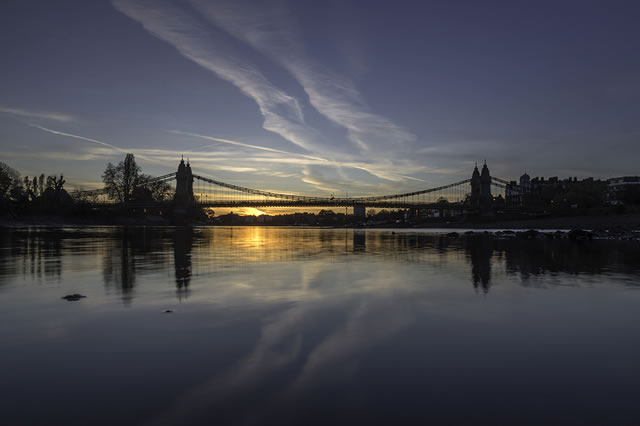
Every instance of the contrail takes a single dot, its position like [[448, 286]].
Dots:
[[231, 142], [55, 132], [108, 145]]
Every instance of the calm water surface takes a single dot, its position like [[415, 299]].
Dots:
[[315, 326]]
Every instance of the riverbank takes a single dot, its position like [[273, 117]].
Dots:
[[614, 224], [623, 222], [56, 221]]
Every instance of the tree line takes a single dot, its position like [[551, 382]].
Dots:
[[123, 183], [37, 193]]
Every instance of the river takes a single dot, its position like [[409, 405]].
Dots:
[[266, 325]]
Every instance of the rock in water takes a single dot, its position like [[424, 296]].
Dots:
[[167, 311], [73, 297]]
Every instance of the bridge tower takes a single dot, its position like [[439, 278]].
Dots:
[[184, 185], [481, 187], [486, 199], [476, 187]]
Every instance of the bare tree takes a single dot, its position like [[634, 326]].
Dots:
[[158, 190], [54, 182], [121, 180], [41, 187], [28, 188], [9, 180]]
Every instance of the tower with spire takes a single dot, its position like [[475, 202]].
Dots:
[[485, 187], [476, 187], [184, 184], [481, 187]]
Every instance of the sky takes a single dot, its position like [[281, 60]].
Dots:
[[316, 97]]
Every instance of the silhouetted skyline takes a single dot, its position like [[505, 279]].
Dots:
[[339, 97]]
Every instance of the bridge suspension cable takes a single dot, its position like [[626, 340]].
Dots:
[[304, 198], [229, 194]]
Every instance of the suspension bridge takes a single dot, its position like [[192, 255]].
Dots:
[[481, 191]]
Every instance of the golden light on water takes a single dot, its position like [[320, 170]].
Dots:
[[242, 211]]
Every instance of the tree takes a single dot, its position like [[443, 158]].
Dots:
[[157, 190], [34, 188], [54, 196], [54, 182], [9, 180], [29, 188], [41, 187], [125, 183], [121, 180]]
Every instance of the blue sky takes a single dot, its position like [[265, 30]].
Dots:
[[317, 97]]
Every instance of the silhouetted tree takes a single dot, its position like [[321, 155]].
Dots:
[[125, 183], [9, 182], [41, 187], [121, 180], [159, 191], [34, 188], [54, 196], [54, 182], [29, 188]]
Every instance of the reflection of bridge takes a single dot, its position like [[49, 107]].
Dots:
[[191, 189]]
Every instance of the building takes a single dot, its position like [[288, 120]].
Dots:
[[619, 188], [554, 192]]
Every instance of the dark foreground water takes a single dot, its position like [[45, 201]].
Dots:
[[315, 326]]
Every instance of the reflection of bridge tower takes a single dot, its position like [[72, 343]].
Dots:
[[184, 185], [481, 187], [480, 250], [182, 244]]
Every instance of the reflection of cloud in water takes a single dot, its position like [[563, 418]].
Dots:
[[280, 352], [332, 303], [371, 322], [278, 345]]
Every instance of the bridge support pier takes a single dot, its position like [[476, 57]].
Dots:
[[359, 210]]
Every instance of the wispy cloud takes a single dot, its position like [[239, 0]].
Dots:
[[272, 30], [54, 116], [242, 144], [52, 155], [196, 41], [321, 174], [69, 135], [382, 169]]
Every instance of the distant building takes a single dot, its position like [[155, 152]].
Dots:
[[525, 183], [540, 192], [513, 193], [618, 186]]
